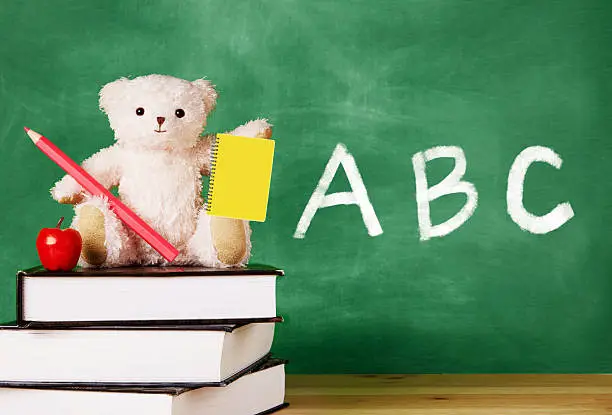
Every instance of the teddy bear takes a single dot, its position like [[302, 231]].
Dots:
[[157, 163]]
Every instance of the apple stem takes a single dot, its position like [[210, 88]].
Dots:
[[60, 222]]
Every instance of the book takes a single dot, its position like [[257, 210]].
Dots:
[[146, 296], [131, 355], [258, 391], [241, 170]]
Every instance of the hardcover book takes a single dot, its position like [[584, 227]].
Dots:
[[258, 391], [131, 355], [146, 296]]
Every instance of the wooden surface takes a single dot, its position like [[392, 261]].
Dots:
[[449, 394]]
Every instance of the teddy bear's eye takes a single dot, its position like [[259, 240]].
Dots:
[[139, 111], [179, 113]]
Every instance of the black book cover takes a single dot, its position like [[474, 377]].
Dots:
[[155, 388], [139, 324], [276, 408], [169, 271], [226, 327]]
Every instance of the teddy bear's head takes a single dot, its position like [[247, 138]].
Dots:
[[157, 111]]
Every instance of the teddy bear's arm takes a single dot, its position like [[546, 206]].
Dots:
[[104, 166], [260, 128]]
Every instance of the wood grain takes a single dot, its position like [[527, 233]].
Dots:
[[449, 394]]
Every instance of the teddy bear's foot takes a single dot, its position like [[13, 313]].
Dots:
[[230, 240], [106, 241], [219, 242], [91, 228]]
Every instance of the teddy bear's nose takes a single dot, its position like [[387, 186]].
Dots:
[[160, 120]]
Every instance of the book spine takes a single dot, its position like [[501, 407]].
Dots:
[[213, 166], [20, 314]]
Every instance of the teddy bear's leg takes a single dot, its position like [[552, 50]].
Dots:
[[220, 242], [106, 241]]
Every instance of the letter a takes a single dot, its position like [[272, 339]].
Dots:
[[358, 196]]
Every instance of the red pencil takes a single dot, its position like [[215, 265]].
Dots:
[[92, 186]]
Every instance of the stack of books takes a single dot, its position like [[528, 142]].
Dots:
[[154, 341]]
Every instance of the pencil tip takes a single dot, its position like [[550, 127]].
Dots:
[[34, 136]]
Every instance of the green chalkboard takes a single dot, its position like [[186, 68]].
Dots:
[[387, 80]]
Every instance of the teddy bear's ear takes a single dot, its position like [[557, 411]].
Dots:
[[208, 92], [112, 92]]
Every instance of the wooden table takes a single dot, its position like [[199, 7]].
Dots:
[[448, 394]]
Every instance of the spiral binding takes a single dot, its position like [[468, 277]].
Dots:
[[213, 166]]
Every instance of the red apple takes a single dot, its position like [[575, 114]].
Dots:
[[59, 249]]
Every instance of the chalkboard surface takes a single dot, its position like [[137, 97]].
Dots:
[[380, 82]]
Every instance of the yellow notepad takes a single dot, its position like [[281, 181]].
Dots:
[[240, 177]]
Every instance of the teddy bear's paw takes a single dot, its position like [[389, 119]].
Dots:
[[255, 128], [267, 133], [264, 128], [72, 200], [67, 191]]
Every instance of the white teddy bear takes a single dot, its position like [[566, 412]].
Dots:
[[157, 163]]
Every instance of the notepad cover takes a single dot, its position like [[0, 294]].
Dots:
[[240, 177]]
